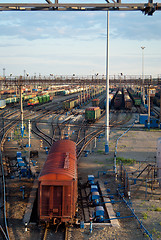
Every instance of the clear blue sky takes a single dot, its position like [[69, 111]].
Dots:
[[66, 43]]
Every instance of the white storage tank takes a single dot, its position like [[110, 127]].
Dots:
[[2, 103], [158, 158]]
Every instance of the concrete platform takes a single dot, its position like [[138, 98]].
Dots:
[[30, 204], [108, 206]]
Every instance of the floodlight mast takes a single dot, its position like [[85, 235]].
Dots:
[[111, 5]]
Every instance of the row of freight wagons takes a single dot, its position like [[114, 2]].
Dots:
[[4, 102], [32, 99]]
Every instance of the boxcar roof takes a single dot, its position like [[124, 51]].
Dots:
[[61, 161], [92, 108]]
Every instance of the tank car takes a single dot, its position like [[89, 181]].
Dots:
[[57, 190]]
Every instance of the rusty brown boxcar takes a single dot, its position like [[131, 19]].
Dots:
[[128, 101], [118, 100], [57, 192]]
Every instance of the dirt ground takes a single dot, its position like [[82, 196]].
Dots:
[[138, 144]]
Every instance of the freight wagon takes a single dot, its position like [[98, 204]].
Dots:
[[118, 100], [70, 103], [157, 98], [95, 102], [92, 114], [12, 100], [135, 98], [57, 189], [127, 100], [111, 95], [26, 97], [39, 100]]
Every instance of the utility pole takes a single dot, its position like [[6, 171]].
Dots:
[[107, 130], [29, 126], [21, 106], [143, 88], [4, 74], [148, 107], [160, 107]]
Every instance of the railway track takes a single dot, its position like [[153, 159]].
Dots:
[[156, 111], [84, 142], [56, 232]]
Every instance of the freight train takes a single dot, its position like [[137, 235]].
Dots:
[[39, 99], [57, 189]]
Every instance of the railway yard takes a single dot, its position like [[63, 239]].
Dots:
[[95, 195]]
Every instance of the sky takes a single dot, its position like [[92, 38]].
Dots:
[[67, 43]]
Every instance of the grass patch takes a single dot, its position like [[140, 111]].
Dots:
[[153, 130], [141, 204], [127, 161], [100, 151], [157, 209], [145, 215], [154, 230]]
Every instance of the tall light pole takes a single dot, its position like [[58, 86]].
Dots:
[[107, 130], [4, 74], [143, 88]]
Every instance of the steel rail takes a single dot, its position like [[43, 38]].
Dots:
[[4, 199], [1, 228], [96, 133]]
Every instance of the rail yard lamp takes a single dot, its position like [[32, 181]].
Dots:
[[4, 74], [107, 91], [143, 89]]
